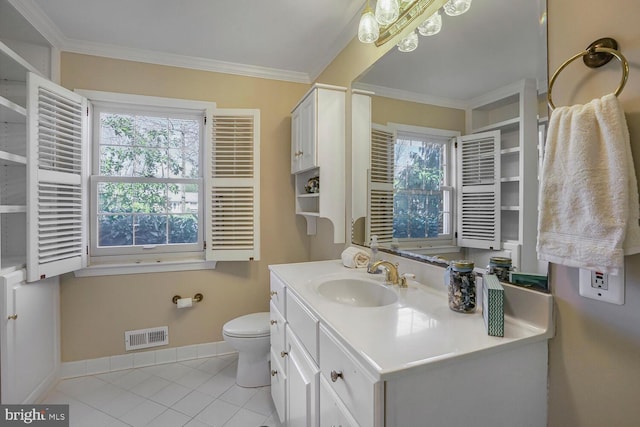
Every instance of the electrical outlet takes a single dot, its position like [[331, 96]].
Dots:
[[599, 280], [601, 286]]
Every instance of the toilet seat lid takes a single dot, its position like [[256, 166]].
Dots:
[[249, 325]]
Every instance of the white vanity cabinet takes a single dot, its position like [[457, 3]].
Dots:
[[317, 153], [319, 378], [410, 363]]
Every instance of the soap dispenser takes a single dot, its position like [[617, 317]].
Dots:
[[374, 254]]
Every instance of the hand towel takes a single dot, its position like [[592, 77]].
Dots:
[[588, 205], [353, 257]]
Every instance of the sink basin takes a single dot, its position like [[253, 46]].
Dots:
[[357, 292]]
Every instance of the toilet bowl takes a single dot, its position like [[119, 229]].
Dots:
[[250, 336]]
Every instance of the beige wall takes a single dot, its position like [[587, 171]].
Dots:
[[96, 311], [388, 110], [595, 357]]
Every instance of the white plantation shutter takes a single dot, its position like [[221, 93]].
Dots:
[[233, 191], [478, 158], [56, 197], [380, 184]]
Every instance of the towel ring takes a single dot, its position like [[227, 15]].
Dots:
[[593, 49]]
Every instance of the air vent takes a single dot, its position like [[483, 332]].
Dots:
[[144, 338]]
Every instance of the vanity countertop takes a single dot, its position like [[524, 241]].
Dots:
[[419, 331]]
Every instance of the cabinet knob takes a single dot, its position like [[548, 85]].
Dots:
[[12, 317], [273, 322], [273, 293], [274, 373], [335, 375], [283, 353]]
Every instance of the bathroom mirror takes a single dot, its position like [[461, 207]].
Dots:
[[492, 47]]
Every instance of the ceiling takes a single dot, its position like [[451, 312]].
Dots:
[[495, 43], [294, 40]]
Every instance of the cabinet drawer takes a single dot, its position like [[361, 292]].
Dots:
[[278, 385], [355, 387], [277, 294], [277, 326], [332, 410], [303, 324]]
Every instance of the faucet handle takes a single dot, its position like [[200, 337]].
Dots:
[[404, 277]]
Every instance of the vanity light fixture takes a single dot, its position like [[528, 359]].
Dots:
[[368, 30], [456, 7], [387, 11], [393, 16], [409, 43], [431, 26]]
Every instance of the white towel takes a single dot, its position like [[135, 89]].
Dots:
[[353, 257], [588, 206]]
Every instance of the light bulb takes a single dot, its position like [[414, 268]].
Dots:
[[409, 43], [368, 29], [431, 26], [387, 11], [456, 7]]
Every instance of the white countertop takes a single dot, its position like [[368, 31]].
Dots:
[[419, 330]]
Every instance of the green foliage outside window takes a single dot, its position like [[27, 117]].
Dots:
[[417, 201], [148, 213]]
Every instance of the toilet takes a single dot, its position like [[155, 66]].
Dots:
[[250, 336]]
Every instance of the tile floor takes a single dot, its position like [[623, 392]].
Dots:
[[193, 393]]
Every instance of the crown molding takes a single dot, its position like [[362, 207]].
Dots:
[[183, 61], [41, 22], [404, 95]]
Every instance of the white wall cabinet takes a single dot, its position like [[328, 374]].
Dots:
[[513, 110], [317, 150], [29, 337]]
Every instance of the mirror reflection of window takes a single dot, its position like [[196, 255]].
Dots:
[[421, 197], [411, 186]]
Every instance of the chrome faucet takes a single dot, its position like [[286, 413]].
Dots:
[[392, 275]]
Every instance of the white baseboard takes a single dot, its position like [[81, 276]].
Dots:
[[143, 358]]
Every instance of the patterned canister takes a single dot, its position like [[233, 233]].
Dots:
[[462, 286]]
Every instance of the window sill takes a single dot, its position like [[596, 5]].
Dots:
[[112, 269]]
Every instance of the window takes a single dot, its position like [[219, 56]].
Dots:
[[147, 180], [422, 187], [411, 186], [172, 181]]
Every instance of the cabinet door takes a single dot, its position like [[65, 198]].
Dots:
[[332, 411], [56, 201], [278, 385], [302, 383], [29, 338], [295, 141], [307, 131]]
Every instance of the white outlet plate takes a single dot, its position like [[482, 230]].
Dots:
[[614, 293]]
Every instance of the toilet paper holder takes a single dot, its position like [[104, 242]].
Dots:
[[196, 298]]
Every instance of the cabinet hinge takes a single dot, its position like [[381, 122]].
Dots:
[[456, 234], [204, 246], [87, 111], [205, 120], [87, 249]]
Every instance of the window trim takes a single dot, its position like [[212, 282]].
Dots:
[[450, 180], [118, 256]]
